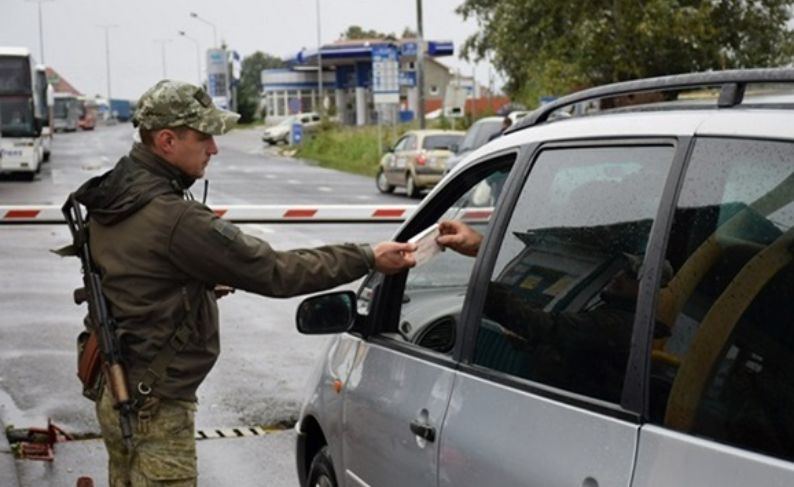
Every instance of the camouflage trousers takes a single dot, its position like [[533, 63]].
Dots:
[[163, 444]]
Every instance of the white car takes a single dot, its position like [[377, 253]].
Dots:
[[626, 321], [281, 131]]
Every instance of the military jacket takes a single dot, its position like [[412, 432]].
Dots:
[[160, 256]]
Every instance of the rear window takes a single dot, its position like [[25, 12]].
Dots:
[[441, 142]]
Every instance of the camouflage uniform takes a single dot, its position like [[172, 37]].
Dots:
[[160, 255]]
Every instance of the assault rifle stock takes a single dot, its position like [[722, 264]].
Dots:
[[100, 317]]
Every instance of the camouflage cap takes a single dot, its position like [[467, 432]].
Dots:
[[170, 104]]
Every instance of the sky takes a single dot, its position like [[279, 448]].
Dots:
[[74, 42]]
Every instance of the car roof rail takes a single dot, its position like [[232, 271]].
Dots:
[[732, 84]]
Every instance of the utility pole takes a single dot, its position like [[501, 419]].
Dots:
[[41, 31], [420, 64], [320, 107], [107, 28]]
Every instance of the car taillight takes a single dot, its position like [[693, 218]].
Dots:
[[421, 159]]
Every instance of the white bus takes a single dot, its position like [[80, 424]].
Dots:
[[66, 112], [46, 94], [21, 150]]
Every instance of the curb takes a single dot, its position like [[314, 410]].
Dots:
[[8, 468]]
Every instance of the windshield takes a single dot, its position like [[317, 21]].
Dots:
[[15, 76], [479, 134], [16, 117], [441, 142], [61, 108]]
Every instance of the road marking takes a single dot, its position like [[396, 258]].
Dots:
[[293, 181], [270, 176], [324, 189], [240, 432], [363, 197]]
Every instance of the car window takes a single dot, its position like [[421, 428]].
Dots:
[[559, 306], [440, 142], [723, 372], [479, 134], [410, 143], [434, 291], [400, 144]]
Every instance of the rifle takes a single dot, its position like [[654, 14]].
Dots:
[[99, 313]]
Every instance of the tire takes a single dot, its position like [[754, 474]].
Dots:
[[382, 183], [410, 187], [321, 471]]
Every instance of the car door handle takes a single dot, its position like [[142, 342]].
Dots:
[[423, 430]]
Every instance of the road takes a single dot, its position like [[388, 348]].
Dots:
[[260, 376]]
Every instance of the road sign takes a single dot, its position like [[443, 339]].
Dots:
[[296, 134], [385, 74]]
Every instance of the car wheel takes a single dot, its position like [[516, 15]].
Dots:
[[321, 471], [410, 187], [382, 183]]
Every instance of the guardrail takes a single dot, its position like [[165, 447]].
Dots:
[[49, 214]]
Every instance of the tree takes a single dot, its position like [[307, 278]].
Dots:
[[248, 92], [555, 46], [357, 32]]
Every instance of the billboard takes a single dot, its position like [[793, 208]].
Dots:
[[217, 77]]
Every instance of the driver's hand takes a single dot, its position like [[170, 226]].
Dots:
[[459, 237]]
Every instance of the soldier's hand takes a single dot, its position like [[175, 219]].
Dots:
[[393, 257], [459, 237]]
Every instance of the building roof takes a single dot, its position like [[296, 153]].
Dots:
[[59, 84]]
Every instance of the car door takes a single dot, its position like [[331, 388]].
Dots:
[[399, 386], [538, 398], [404, 157], [390, 165], [721, 395]]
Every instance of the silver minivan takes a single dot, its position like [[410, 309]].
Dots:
[[627, 320]]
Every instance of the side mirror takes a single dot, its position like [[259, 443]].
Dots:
[[454, 148], [327, 313], [389, 150]]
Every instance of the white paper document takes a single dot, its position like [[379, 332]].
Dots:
[[426, 246]]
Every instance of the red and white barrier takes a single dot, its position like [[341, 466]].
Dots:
[[242, 213]]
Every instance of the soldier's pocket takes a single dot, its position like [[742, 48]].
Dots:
[[172, 466]]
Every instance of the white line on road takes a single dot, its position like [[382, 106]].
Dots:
[[324, 189], [293, 181]]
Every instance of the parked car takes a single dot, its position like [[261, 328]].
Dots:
[[281, 131], [478, 134], [626, 319], [417, 161]]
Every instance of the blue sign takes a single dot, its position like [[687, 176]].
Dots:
[[408, 49], [407, 78], [297, 133]]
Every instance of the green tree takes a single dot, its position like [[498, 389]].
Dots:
[[555, 46], [248, 92], [358, 32]]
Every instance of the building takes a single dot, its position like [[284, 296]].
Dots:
[[347, 80]]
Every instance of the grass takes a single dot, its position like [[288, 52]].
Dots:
[[353, 149], [350, 149]]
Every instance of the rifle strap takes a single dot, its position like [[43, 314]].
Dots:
[[157, 368]]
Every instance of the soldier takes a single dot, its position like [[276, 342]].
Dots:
[[162, 255]]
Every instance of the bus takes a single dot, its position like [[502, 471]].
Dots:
[[20, 102], [66, 112], [46, 94]]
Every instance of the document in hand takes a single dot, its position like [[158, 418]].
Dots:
[[426, 246]]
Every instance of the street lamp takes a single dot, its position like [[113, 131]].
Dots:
[[214, 30], [198, 54], [41, 31], [107, 28], [320, 106], [420, 64], [162, 43]]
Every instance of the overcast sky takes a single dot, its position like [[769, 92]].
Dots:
[[74, 44]]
